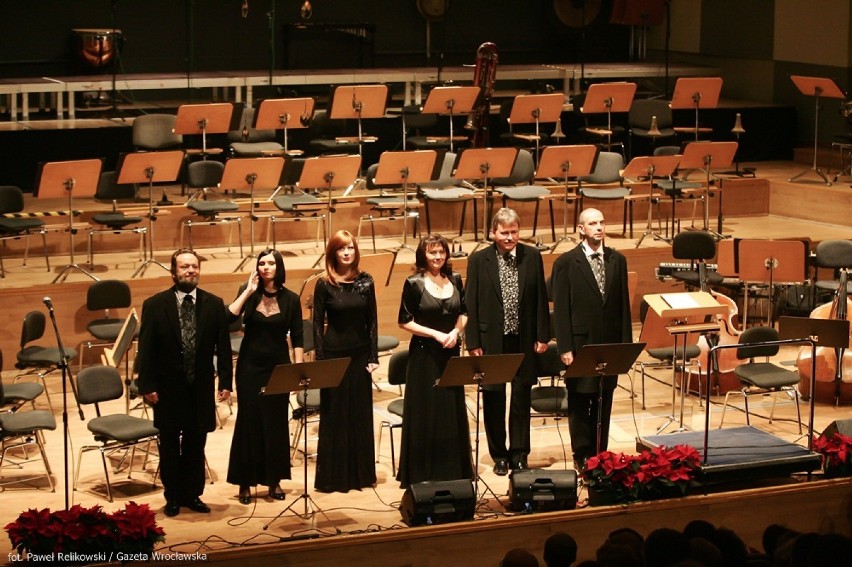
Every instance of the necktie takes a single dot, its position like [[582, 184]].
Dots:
[[187, 336], [598, 270], [509, 287]]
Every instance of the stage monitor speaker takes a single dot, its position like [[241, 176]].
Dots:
[[438, 502], [538, 490], [842, 426]]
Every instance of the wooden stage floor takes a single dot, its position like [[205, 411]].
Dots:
[[232, 528]]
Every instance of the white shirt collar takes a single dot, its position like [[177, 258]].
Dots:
[[180, 295], [587, 250]]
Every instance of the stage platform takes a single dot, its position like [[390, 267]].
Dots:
[[739, 453]]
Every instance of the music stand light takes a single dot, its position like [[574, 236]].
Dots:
[[609, 98], [816, 87], [565, 163], [69, 177], [247, 173], [300, 377], [451, 101], [648, 167], [148, 167], [704, 156], [278, 114], [603, 360], [536, 109], [480, 370], [697, 93], [359, 102], [482, 164]]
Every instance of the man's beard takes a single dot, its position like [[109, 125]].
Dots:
[[186, 285]]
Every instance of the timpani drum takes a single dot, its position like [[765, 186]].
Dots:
[[96, 47]]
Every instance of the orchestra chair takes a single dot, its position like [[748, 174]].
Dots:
[[248, 141], [155, 132], [114, 221], [388, 207], [203, 175], [673, 188], [836, 255], [551, 400], [328, 136], [112, 432], [397, 366], [37, 359], [102, 296], [607, 184], [421, 125], [594, 127], [762, 377], [649, 120], [448, 189], [21, 430], [13, 227], [297, 205], [14, 396], [519, 187], [519, 135], [697, 246]]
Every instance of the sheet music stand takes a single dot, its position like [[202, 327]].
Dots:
[[329, 172], [603, 360], [148, 167], [451, 101], [278, 113], [402, 168], [771, 262], [680, 311], [816, 87], [247, 173], [300, 377], [359, 102], [703, 156], [203, 119], [480, 371], [647, 167], [536, 109], [483, 164], [564, 163], [608, 98], [697, 93], [69, 177], [113, 356]]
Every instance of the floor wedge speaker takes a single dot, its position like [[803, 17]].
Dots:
[[438, 502], [536, 490], [842, 426]]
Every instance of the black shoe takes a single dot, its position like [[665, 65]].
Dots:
[[276, 493], [520, 466], [196, 505], [245, 495], [501, 467], [172, 508]]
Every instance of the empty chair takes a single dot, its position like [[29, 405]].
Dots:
[[112, 432], [328, 136], [205, 175], [607, 184], [388, 207], [518, 187], [16, 395], [397, 366], [23, 429], [446, 189], [836, 255], [762, 377], [37, 359], [103, 296], [697, 246], [12, 201], [297, 205], [247, 141], [550, 400], [154, 132], [115, 221], [643, 114]]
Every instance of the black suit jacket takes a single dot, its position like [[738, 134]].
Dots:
[[484, 301], [581, 315], [161, 364]]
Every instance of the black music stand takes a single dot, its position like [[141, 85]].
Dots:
[[603, 360], [646, 168], [402, 168], [278, 113], [704, 156], [609, 98], [483, 164], [359, 102], [536, 109], [300, 377], [564, 163], [113, 356], [816, 87], [697, 93], [451, 101], [770, 261], [329, 172], [248, 173], [69, 177], [481, 371]]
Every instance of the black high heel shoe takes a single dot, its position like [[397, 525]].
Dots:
[[276, 493], [245, 495]]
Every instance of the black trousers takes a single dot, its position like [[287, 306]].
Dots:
[[494, 414], [583, 421]]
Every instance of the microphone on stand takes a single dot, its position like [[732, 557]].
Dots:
[[48, 303]]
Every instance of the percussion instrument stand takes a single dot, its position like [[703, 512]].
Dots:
[[64, 176], [816, 87]]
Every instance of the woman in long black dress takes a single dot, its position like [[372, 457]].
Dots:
[[345, 324], [435, 431], [259, 449]]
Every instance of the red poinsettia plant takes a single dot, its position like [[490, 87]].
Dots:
[[836, 451], [658, 473], [85, 530]]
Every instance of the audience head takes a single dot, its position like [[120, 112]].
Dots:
[[732, 547], [774, 536], [630, 538], [699, 528], [519, 558], [828, 548], [560, 550], [616, 555], [665, 547], [705, 552]]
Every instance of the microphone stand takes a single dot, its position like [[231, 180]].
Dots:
[[63, 364]]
